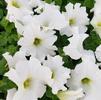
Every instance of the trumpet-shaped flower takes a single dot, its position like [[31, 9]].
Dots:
[[60, 74], [30, 77], [87, 75], [51, 18], [76, 15], [17, 9], [96, 23], [38, 44]]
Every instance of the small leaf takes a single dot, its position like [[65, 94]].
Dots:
[[92, 42], [6, 84], [1, 13], [58, 2], [3, 68], [48, 1], [61, 40], [89, 3]]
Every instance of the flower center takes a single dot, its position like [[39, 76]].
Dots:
[[85, 80], [41, 10], [72, 21], [53, 75], [27, 83], [37, 41], [99, 24], [46, 24], [15, 4]]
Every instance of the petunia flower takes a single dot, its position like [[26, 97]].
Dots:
[[39, 44], [60, 74], [87, 75], [31, 78], [75, 16]]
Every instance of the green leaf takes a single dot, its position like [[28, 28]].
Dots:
[[48, 1], [9, 27], [4, 22], [58, 2], [89, 3], [50, 95], [6, 84], [1, 13], [70, 63], [3, 67], [61, 40], [12, 49], [92, 42]]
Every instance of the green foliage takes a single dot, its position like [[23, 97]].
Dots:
[[61, 40], [48, 1], [48, 95], [58, 2], [92, 41], [9, 38], [8, 43], [70, 63], [89, 3], [6, 84]]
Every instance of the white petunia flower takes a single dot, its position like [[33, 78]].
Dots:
[[96, 23], [12, 60], [30, 77], [27, 24], [98, 53], [20, 8], [10, 94], [51, 18], [75, 48], [87, 75], [38, 44], [59, 73], [17, 9], [76, 15], [96, 20], [70, 95]]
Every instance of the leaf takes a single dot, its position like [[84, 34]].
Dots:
[[70, 63], [9, 27], [49, 95], [3, 67], [4, 22], [58, 2], [12, 49], [1, 13], [48, 1], [89, 3], [92, 42], [61, 40], [6, 84]]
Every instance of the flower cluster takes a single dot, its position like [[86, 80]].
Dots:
[[37, 65]]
